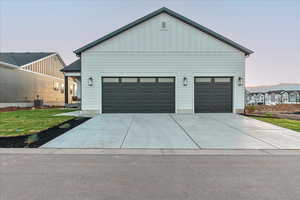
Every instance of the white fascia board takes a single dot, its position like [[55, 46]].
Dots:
[[8, 65], [25, 70], [72, 73]]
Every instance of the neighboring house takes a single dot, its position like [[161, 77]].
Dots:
[[257, 98], [272, 95], [28, 76], [162, 62]]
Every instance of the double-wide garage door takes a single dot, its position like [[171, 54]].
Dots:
[[138, 94], [213, 94]]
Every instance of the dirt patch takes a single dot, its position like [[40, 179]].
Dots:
[[282, 111], [283, 108], [38, 139]]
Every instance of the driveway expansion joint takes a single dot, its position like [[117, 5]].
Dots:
[[127, 132], [186, 133], [249, 135]]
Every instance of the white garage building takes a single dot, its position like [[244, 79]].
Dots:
[[161, 63]]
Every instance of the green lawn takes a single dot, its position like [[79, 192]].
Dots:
[[25, 122], [285, 123]]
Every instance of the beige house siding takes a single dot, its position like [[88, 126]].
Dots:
[[50, 65], [20, 86]]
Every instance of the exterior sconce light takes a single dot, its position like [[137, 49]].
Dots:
[[185, 81], [90, 81], [240, 81]]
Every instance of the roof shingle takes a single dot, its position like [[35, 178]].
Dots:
[[20, 59], [73, 67]]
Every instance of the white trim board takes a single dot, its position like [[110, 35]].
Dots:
[[25, 70]]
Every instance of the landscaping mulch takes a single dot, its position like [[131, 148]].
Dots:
[[42, 137], [12, 109]]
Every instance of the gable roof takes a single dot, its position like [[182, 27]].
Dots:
[[73, 67], [20, 59], [173, 14]]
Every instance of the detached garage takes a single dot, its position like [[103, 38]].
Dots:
[[161, 63]]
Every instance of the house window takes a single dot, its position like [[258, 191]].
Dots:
[[285, 97], [273, 97], [62, 88], [147, 80], [204, 80], [56, 86], [129, 80], [293, 97]]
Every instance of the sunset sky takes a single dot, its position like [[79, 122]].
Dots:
[[271, 28]]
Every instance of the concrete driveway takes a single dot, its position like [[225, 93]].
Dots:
[[177, 131]]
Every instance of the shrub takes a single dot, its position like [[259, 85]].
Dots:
[[66, 125], [250, 109], [31, 139]]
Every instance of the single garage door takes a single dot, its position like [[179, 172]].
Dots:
[[213, 94], [138, 95]]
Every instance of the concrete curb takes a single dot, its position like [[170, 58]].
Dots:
[[150, 151]]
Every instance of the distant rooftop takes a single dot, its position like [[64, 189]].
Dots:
[[279, 87], [20, 59]]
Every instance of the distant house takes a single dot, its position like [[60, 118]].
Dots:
[[257, 98], [272, 95], [28, 76]]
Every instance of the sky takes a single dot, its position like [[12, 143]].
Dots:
[[271, 28]]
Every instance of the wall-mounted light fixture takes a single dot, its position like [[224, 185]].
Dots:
[[240, 81], [185, 81], [90, 81]]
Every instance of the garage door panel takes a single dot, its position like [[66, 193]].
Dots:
[[139, 95], [213, 94]]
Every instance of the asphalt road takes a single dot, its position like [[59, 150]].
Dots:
[[159, 177]]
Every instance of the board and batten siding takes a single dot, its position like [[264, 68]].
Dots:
[[51, 65], [179, 50]]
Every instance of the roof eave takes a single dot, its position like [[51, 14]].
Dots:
[[66, 70]]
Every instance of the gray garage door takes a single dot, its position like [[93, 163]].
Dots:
[[213, 95], [138, 95]]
